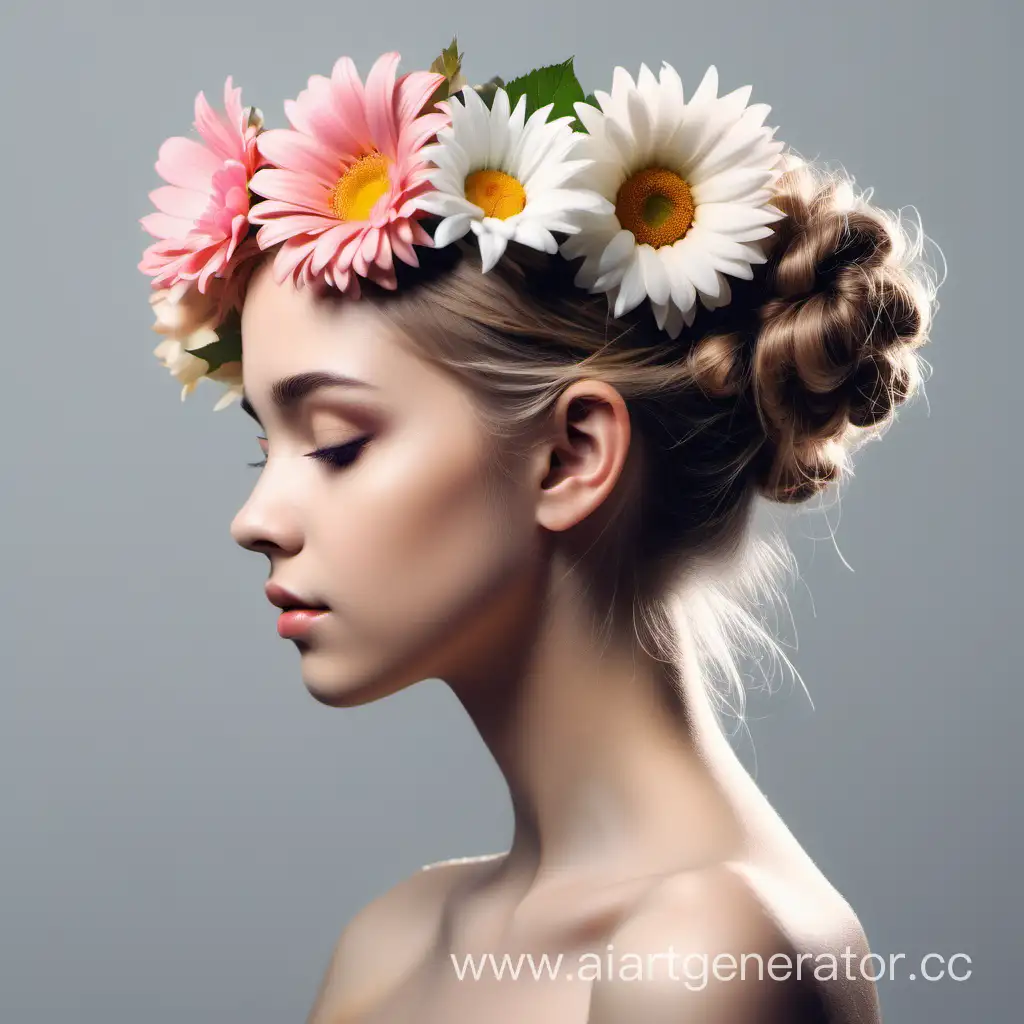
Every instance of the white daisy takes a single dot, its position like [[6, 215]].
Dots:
[[690, 183], [504, 179]]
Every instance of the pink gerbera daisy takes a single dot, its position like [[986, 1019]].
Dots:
[[204, 210], [342, 191]]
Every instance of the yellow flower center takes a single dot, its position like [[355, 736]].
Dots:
[[362, 184], [656, 205], [496, 193]]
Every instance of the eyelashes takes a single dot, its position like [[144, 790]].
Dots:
[[337, 456]]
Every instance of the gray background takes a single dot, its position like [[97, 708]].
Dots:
[[183, 830]]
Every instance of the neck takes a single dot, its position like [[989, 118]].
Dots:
[[614, 761]]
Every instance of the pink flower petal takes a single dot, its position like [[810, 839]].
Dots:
[[272, 209], [163, 226], [233, 105], [412, 91], [330, 119], [348, 93], [419, 235], [380, 111], [403, 250], [215, 133], [287, 227], [384, 259], [290, 257], [330, 244], [371, 243], [296, 114], [403, 230], [385, 278], [184, 203], [186, 163], [293, 186], [419, 133], [299, 152]]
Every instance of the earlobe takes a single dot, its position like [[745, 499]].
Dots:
[[589, 442]]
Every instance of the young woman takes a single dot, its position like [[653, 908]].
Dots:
[[533, 478]]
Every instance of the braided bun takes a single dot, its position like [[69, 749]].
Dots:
[[842, 307], [838, 333]]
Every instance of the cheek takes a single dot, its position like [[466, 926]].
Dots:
[[417, 538]]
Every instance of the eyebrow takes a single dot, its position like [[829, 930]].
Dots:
[[288, 392]]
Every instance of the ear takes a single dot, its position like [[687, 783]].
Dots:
[[584, 453]]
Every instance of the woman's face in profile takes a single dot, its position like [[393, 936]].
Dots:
[[422, 560]]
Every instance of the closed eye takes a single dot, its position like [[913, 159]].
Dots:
[[337, 456]]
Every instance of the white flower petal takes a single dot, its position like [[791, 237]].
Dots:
[[451, 228], [671, 86], [533, 234], [733, 185], [660, 312], [622, 86], [498, 226], [498, 143], [517, 118], [674, 322], [631, 289], [708, 88], [623, 145], [655, 275], [734, 218], [692, 257], [445, 181], [641, 127], [684, 294], [728, 248], [590, 117], [492, 246], [618, 252], [445, 204], [562, 200], [734, 268], [451, 156]]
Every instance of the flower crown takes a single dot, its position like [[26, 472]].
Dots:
[[662, 197]]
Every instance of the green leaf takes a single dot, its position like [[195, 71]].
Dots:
[[228, 346], [450, 61], [554, 83], [448, 64]]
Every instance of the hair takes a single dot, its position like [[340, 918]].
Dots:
[[767, 396]]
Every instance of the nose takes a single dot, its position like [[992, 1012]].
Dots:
[[267, 522]]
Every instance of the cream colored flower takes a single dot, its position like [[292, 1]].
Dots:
[[186, 317], [184, 366], [185, 313]]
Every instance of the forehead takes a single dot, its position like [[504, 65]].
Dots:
[[288, 330]]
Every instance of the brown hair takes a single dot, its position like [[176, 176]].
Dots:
[[767, 395]]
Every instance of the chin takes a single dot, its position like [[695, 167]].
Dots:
[[331, 681]]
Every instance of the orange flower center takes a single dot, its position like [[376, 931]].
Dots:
[[359, 188], [496, 193], [656, 205]]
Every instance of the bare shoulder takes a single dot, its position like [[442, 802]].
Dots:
[[728, 944], [387, 938]]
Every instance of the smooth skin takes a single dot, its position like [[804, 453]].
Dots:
[[638, 836]]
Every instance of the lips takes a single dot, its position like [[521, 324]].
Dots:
[[288, 601]]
